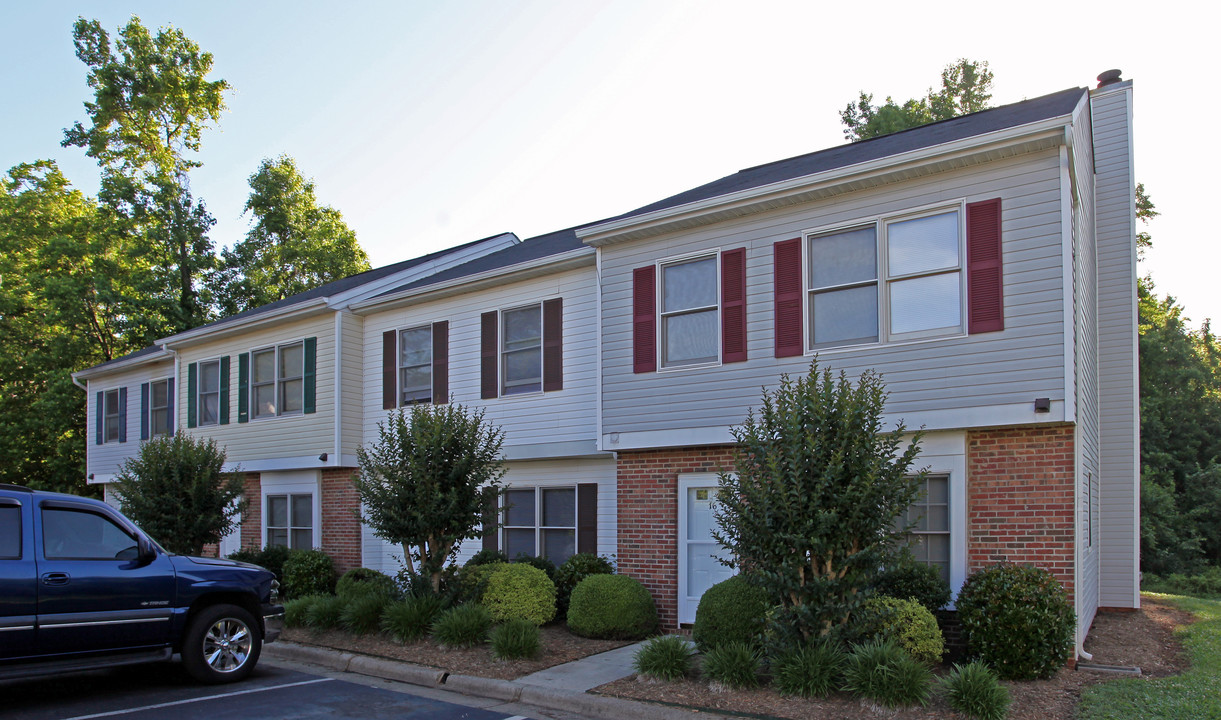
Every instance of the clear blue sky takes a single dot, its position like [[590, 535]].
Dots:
[[428, 124]]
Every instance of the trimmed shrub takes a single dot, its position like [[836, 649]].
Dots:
[[308, 572], [612, 606], [363, 581], [974, 690], [520, 592], [541, 563], [733, 664], [296, 611], [486, 557], [271, 557], [733, 610], [1018, 620], [462, 626], [811, 671], [910, 625], [473, 580], [884, 672], [574, 570], [664, 658], [362, 613], [411, 618], [515, 639], [324, 612], [917, 581]]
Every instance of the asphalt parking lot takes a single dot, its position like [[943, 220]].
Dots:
[[164, 691]]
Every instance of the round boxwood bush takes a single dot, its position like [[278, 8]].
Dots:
[[733, 610], [1018, 620], [308, 572], [612, 606], [910, 625], [918, 581], [520, 592], [473, 580], [363, 581], [541, 563], [574, 570]]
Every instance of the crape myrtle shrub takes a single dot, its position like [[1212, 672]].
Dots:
[[811, 506], [1018, 620], [308, 572]]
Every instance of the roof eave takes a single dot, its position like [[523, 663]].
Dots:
[[207, 333], [1021, 139], [119, 366], [569, 260]]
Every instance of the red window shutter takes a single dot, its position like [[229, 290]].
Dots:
[[390, 390], [787, 281], [587, 518], [985, 282], [489, 382], [440, 362], [553, 345], [644, 319], [733, 305]]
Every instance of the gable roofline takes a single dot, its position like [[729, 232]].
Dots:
[[1028, 126], [144, 356]]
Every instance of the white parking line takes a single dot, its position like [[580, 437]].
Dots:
[[200, 699]]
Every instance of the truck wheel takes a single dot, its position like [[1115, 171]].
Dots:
[[222, 644]]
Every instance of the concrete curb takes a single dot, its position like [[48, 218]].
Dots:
[[595, 706]]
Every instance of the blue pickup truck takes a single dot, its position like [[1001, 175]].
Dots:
[[81, 587]]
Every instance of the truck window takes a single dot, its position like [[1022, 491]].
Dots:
[[77, 535], [10, 532]]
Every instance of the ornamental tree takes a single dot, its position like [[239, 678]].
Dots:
[[425, 482], [175, 490], [812, 506]]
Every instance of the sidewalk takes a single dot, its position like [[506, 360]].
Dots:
[[562, 687]]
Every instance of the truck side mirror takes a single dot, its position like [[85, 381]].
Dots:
[[147, 552]]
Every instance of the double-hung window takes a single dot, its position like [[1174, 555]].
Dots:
[[277, 381], [208, 401], [929, 519], [290, 521], [541, 521], [112, 416], [690, 327], [160, 422], [521, 351], [415, 365]]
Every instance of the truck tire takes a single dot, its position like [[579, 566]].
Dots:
[[222, 644]]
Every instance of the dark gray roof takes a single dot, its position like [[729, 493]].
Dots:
[[150, 350], [985, 121], [553, 243]]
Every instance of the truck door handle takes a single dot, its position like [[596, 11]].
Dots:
[[55, 578]]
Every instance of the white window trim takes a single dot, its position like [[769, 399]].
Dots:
[[278, 382], [153, 430], [199, 393], [660, 315], [306, 482], [399, 367], [107, 417], [883, 280], [538, 516], [501, 337]]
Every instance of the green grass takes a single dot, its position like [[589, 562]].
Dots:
[[1190, 696]]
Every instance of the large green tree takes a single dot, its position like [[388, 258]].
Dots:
[[965, 88], [294, 243]]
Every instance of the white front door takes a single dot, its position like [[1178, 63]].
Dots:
[[699, 566]]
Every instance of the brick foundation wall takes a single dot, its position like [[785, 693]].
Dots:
[[341, 518], [1021, 498], [252, 519], [648, 517]]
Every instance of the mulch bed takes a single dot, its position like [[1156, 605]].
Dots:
[[1144, 639], [557, 646]]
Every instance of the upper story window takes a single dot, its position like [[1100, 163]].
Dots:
[[415, 365], [521, 351], [112, 417], [690, 332], [277, 380], [893, 280], [159, 416], [208, 401]]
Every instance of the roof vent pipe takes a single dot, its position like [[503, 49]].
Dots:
[[1109, 77]]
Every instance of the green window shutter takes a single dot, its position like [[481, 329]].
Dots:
[[311, 375], [224, 390], [192, 379], [243, 387]]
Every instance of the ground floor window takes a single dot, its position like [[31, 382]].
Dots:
[[290, 521], [929, 516], [540, 521]]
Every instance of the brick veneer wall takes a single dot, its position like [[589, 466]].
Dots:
[[252, 519], [1021, 498], [648, 517], [341, 518]]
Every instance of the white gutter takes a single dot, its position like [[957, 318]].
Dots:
[[211, 332], [579, 257]]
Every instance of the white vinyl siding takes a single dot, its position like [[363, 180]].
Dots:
[[927, 379], [103, 461]]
